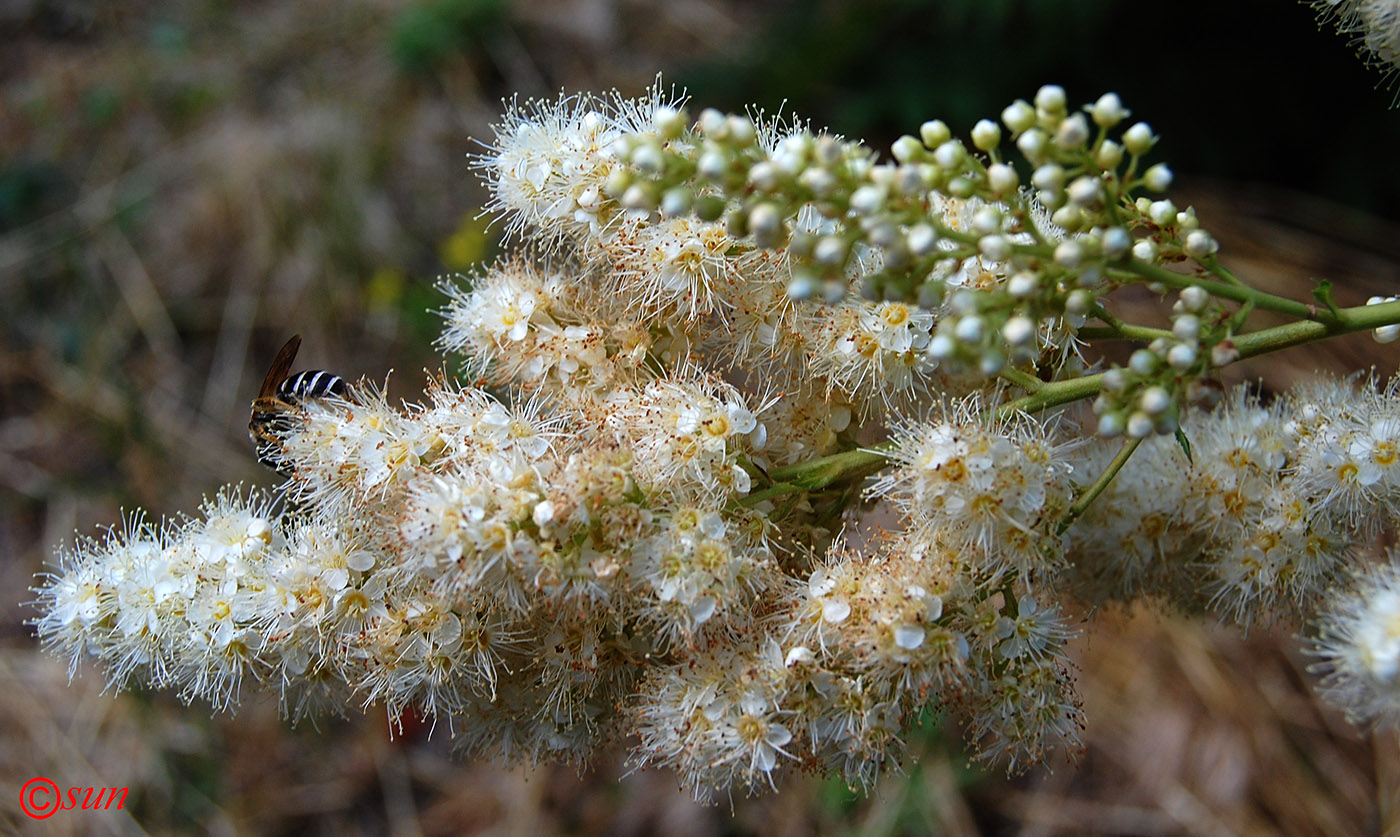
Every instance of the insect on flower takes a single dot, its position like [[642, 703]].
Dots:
[[279, 393]]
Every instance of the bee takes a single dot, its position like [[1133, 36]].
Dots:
[[281, 392]]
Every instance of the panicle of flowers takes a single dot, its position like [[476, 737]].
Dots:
[[849, 659], [652, 528], [687, 433], [1349, 452], [550, 165], [1358, 644], [1260, 518], [990, 489], [203, 604]]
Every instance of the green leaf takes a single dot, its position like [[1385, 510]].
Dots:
[[1185, 444], [1323, 294]]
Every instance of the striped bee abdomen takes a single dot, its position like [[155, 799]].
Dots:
[[279, 396], [312, 383]]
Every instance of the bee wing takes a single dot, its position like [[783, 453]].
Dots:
[[281, 365]]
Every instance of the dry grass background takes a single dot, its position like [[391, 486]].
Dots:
[[187, 185]]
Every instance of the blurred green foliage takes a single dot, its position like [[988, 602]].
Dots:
[[29, 189], [425, 35]]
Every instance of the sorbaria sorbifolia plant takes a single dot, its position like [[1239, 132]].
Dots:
[[722, 339]]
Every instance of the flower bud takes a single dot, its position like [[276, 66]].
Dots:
[[709, 207], [741, 131], [950, 155], [1079, 302], [995, 247], [1181, 356], [802, 287], [714, 125], [641, 196], [1143, 362], [1111, 425], [986, 135], [970, 329], [1069, 253], [1049, 177], [1194, 298], [991, 362], [677, 201], [1022, 285], [668, 122], [1200, 244], [1139, 139], [1187, 328], [820, 181], [1158, 178], [907, 149], [830, 250], [934, 133], [1072, 133], [1032, 144], [867, 199], [1224, 353], [1050, 98], [1002, 178], [921, 239], [1140, 425], [1109, 155], [941, 347], [1018, 331], [764, 176], [1018, 116], [1144, 250], [1162, 213], [765, 223], [987, 220], [1108, 110], [1155, 400], [1116, 242], [713, 164], [1086, 190]]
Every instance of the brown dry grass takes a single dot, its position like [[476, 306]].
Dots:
[[130, 349]]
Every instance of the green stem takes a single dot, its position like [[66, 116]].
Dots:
[[776, 490], [1347, 321], [1093, 491], [1220, 270], [1053, 395], [1238, 293], [816, 474], [1117, 329], [1024, 380], [1122, 332]]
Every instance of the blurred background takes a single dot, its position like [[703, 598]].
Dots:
[[185, 184]]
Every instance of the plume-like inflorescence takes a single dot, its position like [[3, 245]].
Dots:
[[659, 536]]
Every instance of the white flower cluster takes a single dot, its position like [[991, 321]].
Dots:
[[1371, 25], [1359, 646], [652, 536], [1263, 513]]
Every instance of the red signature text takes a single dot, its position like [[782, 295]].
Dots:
[[41, 798]]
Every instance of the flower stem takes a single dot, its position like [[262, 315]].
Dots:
[[1238, 293], [816, 474], [1024, 380], [1093, 491]]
